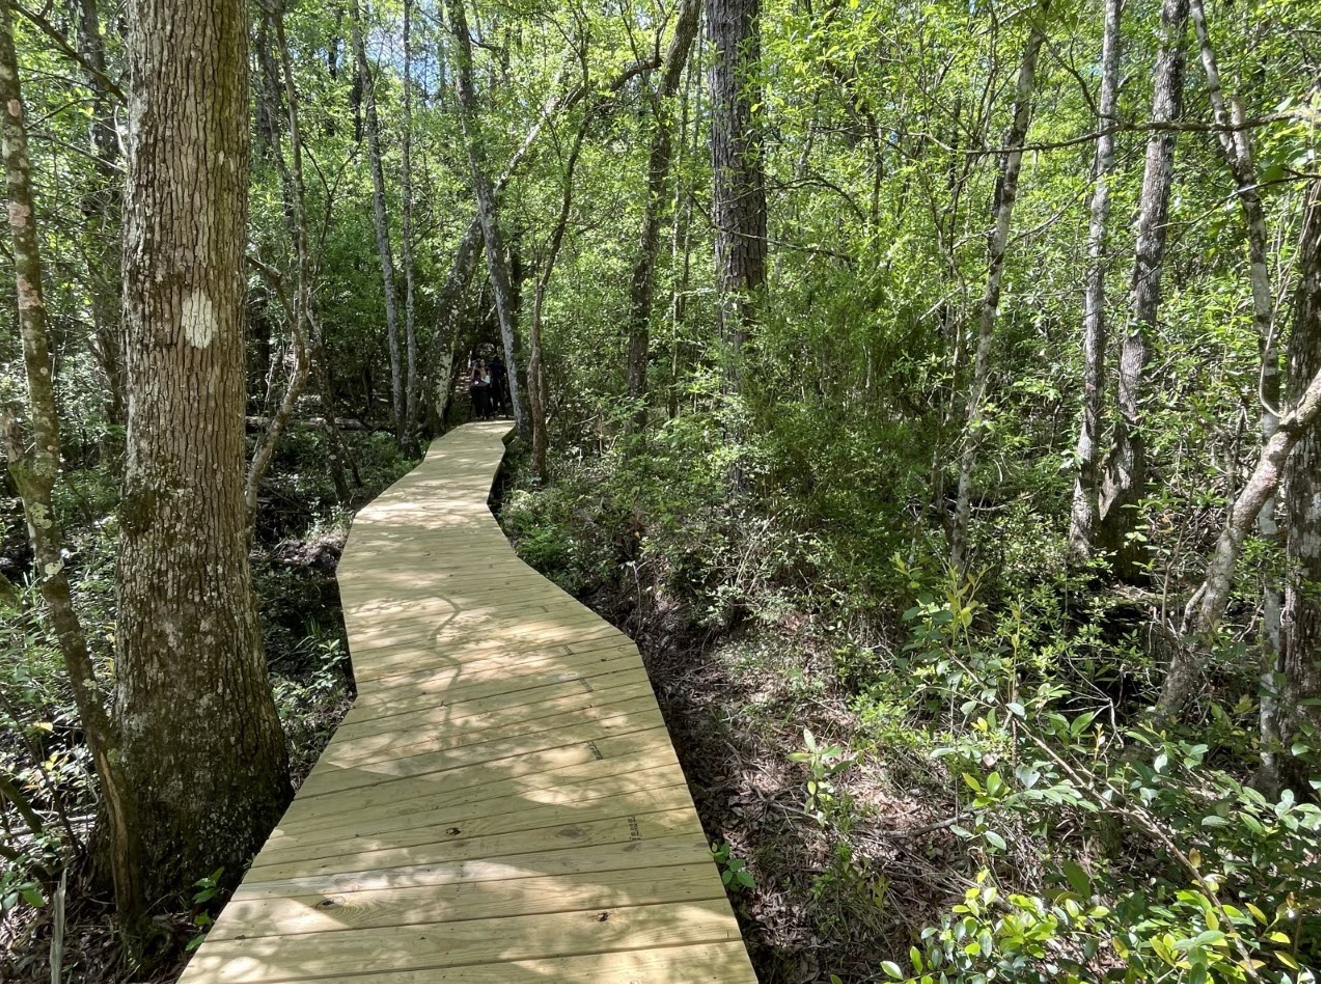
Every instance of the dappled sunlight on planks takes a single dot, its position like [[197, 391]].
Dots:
[[502, 805]]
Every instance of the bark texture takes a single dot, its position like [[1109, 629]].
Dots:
[[1300, 640], [642, 288], [738, 203], [1125, 480], [1082, 520], [201, 739], [33, 455], [997, 243]]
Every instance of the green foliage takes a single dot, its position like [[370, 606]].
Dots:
[[823, 763], [208, 888], [733, 871]]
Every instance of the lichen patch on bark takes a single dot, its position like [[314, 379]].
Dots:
[[199, 319]]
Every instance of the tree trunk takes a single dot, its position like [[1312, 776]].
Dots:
[[397, 398], [1083, 518], [536, 380], [738, 203], [34, 464], [276, 84], [449, 304], [412, 383], [1296, 434], [299, 312], [1237, 148], [643, 285], [1125, 480], [997, 243], [201, 740], [1300, 640], [102, 209], [497, 263], [462, 264]]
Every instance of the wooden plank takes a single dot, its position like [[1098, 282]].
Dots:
[[658, 852], [475, 787], [711, 963], [672, 795], [329, 778], [614, 830], [321, 912], [485, 773], [502, 805], [293, 958], [369, 750], [480, 802]]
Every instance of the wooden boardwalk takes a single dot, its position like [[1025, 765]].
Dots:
[[502, 805]]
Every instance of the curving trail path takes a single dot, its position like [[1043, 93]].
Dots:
[[502, 805]]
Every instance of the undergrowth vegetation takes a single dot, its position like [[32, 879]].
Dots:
[[952, 779], [44, 765]]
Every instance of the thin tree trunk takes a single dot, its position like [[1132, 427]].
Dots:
[[738, 203], [1125, 480], [997, 243], [463, 265], [298, 312], [273, 89], [450, 305], [681, 247], [34, 464], [413, 384], [210, 776], [643, 285], [1296, 432], [536, 380], [497, 263], [103, 210], [1237, 148], [1083, 517], [397, 398]]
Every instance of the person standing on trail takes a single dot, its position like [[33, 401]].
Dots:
[[479, 387], [499, 387]]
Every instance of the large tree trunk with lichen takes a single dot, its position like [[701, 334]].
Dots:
[[643, 286], [1300, 637], [497, 261], [201, 740], [996, 245], [1125, 480], [1083, 516], [33, 457]]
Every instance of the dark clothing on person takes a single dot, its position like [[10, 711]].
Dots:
[[481, 391], [499, 387]]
